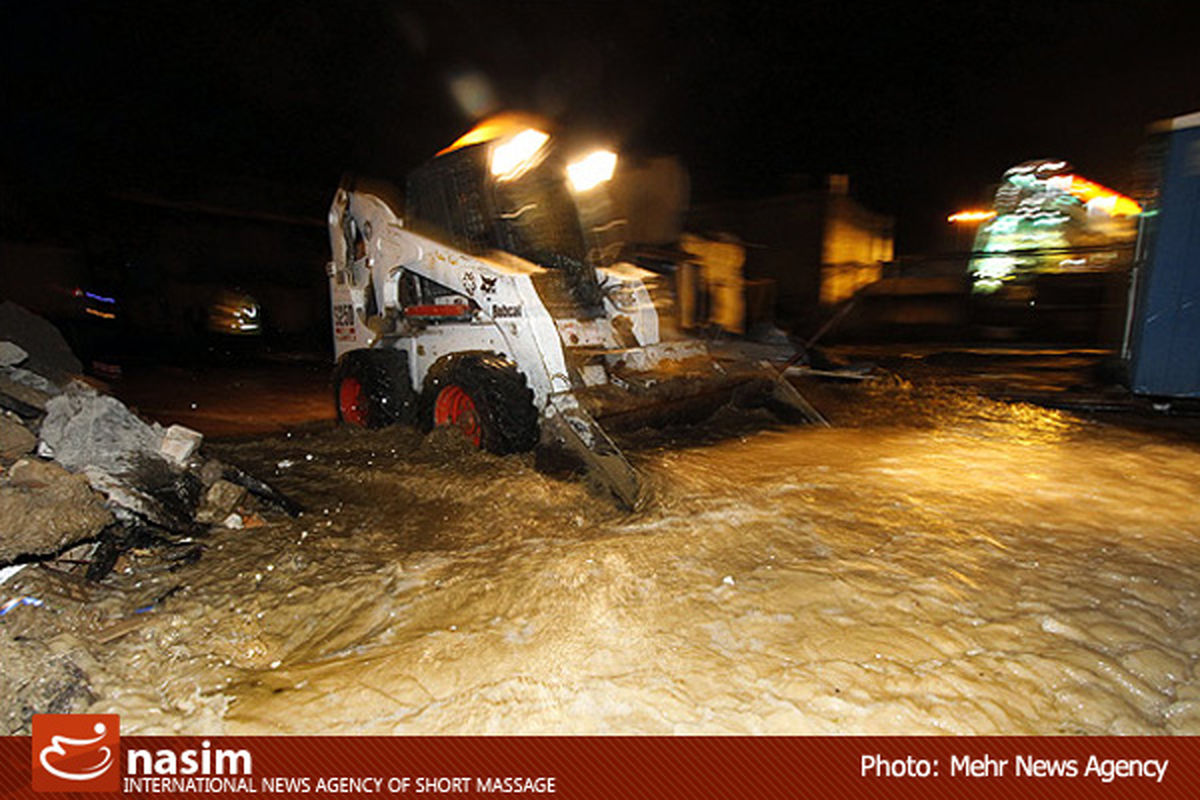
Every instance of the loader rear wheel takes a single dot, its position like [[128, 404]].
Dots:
[[372, 389], [486, 398]]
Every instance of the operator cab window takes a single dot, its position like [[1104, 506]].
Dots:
[[421, 298]]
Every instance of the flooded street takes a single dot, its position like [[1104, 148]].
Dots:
[[934, 563]]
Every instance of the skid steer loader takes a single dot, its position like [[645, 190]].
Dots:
[[496, 302]]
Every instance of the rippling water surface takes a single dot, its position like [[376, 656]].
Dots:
[[933, 564]]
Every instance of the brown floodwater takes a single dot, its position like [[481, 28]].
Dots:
[[933, 563]]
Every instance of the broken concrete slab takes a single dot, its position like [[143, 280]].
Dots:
[[121, 455], [49, 353], [132, 503], [31, 379], [221, 499], [85, 429], [11, 354], [15, 439], [211, 471], [22, 399], [44, 508], [179, 443]]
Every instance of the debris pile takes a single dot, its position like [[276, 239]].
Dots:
[[44, 509], [83, 479]]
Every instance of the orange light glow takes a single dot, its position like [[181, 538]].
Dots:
[[101, 314], [494, 127], [1093, 194], [968, 217]]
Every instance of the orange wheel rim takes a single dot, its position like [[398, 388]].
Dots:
[[455, 407], [352, 402]]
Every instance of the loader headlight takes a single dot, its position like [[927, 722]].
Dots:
[[512, 157], [592, 170]]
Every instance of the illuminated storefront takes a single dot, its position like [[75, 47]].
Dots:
[[1047, 219]]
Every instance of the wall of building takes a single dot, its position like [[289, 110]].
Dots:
[[818, 248], [783, 237], [856, 244]]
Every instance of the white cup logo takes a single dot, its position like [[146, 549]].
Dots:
[[56, 747]]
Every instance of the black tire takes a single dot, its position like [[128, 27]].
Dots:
[[502, 400], [385, 395]]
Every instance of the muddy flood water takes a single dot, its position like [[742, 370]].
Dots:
[[934, 563]]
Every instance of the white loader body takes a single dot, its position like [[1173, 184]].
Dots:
[[515, 350], [507, 314]]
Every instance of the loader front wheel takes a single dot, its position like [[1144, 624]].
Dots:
[[352, 401], [486, 398], [455, 407], [371, 388]]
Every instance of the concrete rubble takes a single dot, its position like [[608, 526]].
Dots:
[[11, 354], [44, 508], [83, 479], [84, 429], [221, 500], [79, 463], [15, 439]]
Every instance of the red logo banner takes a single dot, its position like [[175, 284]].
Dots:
[[594, 767], [76, 752]]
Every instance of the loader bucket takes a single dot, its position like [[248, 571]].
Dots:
[[579, 422]]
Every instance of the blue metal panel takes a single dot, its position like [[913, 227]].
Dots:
[[1166, 351]]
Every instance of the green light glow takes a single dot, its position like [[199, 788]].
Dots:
[[1038, 211]]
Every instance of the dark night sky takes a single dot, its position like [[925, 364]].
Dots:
[[923, 104]]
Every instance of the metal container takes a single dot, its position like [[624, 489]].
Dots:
[[1162, 339]]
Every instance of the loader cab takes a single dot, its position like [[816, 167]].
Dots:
[[511, 187], [455, 199]]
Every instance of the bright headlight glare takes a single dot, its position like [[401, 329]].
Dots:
[[592, 170], [514, 156]]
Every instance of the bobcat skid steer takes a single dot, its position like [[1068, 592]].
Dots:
[[495, 303]]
